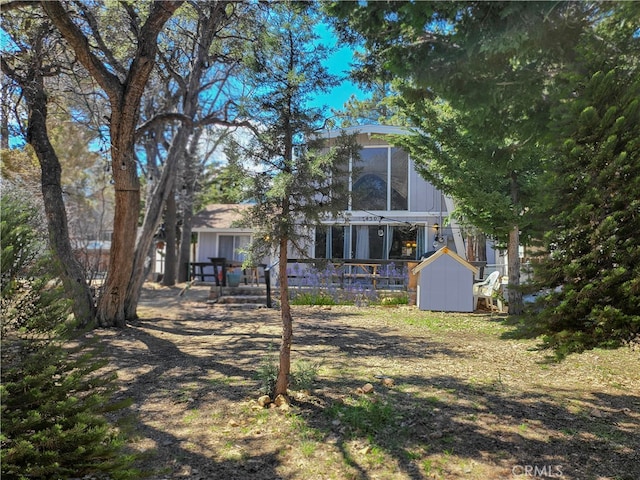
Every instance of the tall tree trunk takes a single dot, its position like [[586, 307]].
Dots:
[[111, 306], [513, 257], [184, 253], [170, 222], [71, 272], [189, 187], [4, 118], [143, 259], [155, 203], [282, 382], [476, 247], [124, 98], [471, 250]]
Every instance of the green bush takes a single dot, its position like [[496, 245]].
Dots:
[[267, 373], [303, 375], [53, 396], [313, 298], [591, 269]]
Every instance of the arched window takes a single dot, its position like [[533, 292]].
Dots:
[[380, 179]]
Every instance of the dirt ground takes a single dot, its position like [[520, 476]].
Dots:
[[454, 396]]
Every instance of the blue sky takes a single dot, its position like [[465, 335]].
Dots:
[[338, 64]]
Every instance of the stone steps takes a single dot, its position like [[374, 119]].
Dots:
[[226, 299], [243, 296]]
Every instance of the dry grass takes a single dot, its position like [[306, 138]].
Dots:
[[466, 401]]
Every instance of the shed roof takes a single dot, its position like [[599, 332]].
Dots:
[[219, 216], [444, 251]]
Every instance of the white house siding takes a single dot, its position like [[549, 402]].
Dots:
[[207, 246], [422, 195]]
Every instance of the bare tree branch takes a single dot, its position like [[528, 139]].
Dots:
[[163, 118], [134, 20], [93, 24], [70, 31], [185, 119], [15, 4]]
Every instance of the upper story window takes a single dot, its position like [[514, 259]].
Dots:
[[380, 179]]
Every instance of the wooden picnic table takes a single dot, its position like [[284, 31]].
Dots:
[[366, 271], [362, 270]]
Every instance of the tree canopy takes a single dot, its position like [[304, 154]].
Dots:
[[485, 84], [291, 178], [593, 183]]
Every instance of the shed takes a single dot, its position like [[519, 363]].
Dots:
[[445, 282]]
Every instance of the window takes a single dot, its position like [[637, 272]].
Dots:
[[370, 180], [229, 246], [333, 237], [381, 179], [403, 243], [366, 243], [399, 179]]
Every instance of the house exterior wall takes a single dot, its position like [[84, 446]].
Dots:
[[211, 244], [207, 246], [407, 232], [423, 196], [445, 285]]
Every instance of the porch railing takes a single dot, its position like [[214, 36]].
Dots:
[[374, 274]]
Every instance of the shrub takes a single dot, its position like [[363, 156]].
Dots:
[[312, 298], [53, 397], [267, 373], [319, 286], [303, 374]]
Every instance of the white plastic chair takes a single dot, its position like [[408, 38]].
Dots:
[[486, 289]]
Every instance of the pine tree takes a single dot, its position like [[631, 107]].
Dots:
[[53, 396], [292, 180], [593, 262]]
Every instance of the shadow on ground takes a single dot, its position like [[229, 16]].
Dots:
[[430, 425]]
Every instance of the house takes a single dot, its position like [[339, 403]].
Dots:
[[217, 235], [394, 215]]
